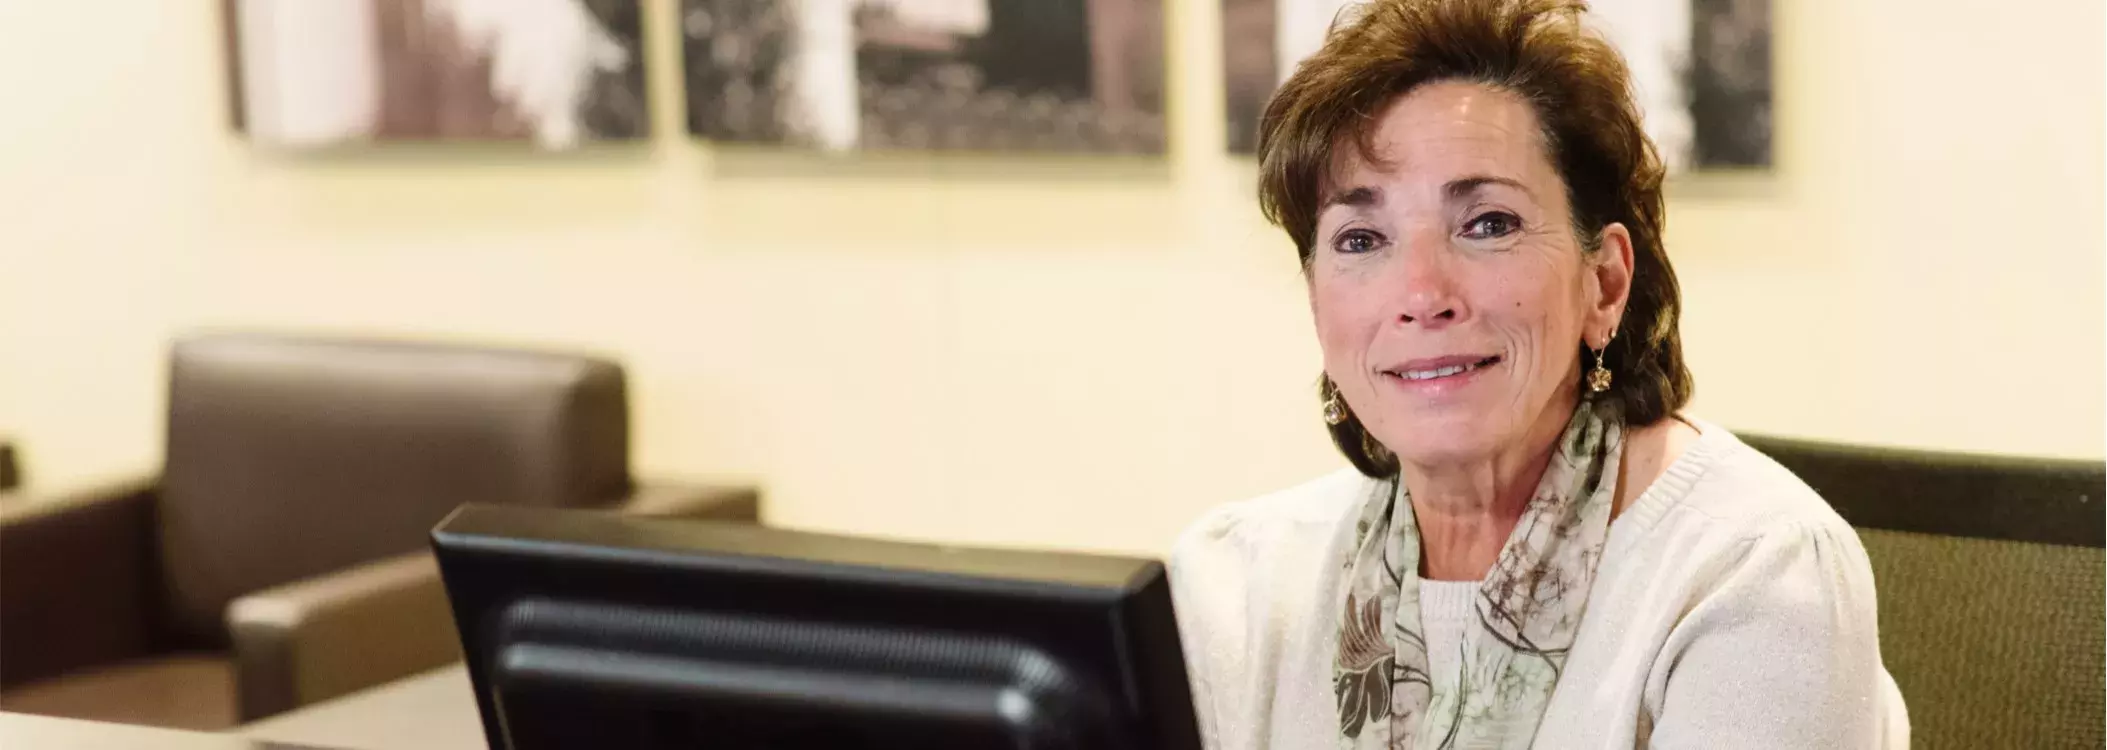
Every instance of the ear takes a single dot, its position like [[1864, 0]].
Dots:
[[1610, 270]]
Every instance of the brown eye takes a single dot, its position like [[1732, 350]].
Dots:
[[1357, 241], [1491, 225]]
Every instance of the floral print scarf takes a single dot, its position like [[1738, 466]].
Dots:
[[1527, 610]]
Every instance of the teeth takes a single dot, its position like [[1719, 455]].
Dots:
[[1436, 373], [1432, 374]]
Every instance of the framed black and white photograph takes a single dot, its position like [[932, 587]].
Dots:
[[1702, 70], [1080, 76], [322, 73]]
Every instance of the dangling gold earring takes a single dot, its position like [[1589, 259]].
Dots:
[[1599, 378], [1334, 409]]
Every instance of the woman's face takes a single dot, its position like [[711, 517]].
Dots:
[[1450, 293]]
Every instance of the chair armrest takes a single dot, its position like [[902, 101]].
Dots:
[[338, 633], [77, 581], [716, 503]]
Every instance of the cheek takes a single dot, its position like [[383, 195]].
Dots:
[[1346, 315], [1527, 299], [1544, 332]]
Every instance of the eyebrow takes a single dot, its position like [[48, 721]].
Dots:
[[1364, 196], [1464, 186], [1359, 197]]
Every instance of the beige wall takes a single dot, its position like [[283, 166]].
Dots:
[[1042, 352]]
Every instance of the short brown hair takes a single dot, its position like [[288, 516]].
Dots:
[[1581, 92]]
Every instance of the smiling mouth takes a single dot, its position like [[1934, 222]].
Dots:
[[1444, 371]]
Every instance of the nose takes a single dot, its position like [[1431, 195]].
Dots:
[[1427, 284]]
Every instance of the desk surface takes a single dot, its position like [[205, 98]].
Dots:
[[432, 711], [46, 733]]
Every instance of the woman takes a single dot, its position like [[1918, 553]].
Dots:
[[1536, 548]]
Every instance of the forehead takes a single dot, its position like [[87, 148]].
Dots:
[[1442, 130]]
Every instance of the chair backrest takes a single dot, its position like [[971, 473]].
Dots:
[[292, 457], [1992, 597], [10, 469]]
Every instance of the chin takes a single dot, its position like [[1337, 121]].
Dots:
[[1444, 440]]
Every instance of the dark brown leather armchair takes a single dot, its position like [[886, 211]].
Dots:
[[280, 557]]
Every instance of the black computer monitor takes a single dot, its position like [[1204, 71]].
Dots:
[[586, 629]]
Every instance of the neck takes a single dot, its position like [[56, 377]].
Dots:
[[1466, 510]]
